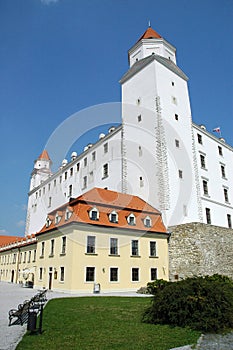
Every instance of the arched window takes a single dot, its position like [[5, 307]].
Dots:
[[113, 216], [131, 219], [57, 218], [48, 221], [147, 221], [94, 214], [68, 213]]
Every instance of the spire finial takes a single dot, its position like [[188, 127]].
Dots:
[[149, 25]]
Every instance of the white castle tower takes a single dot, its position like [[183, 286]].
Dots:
[[159, 159]]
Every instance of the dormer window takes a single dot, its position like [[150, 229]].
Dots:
[[147, 221], [113, 217], [94, 214], [131, 220], [68, 214], [48, 222], [57, 218]]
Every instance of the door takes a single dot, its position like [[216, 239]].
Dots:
[[50, 277]]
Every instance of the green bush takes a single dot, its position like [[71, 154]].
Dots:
[[152, 287], [201, 303]]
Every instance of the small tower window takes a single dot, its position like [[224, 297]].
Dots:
[[180, 172], [139, 118], [176, 117], [177, 143], [138, 101], [173, 84], [106, 148]]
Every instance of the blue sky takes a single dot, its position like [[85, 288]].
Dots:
[[58, 57]]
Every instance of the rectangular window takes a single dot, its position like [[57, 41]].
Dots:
[[85, 161], [141, 183], [29, 256], [134, 247], [90, 244], [229, 221], [54, 183], [70, 191], [208, 217], [153, 274], [49, 187], [174, 100], [34, 257], [202, 159], [43, 190], [226, 197], [50, 201], [91, 177], [113, 246], [62, 274], [60, 179], [205, 187], [90, 274], [52, 247], [65, 175], [139, 118], [135, 274], [41, 273], [177, 143], [223, 172], [78, 166], [93, 156], [199, 139], [42, 249], [84, 182], [176, 117], [24, 259], [71, 171], [139, 151], [180, 172], [152, 248], [113, 274], [63, 245], [106, 148], [105, 170], [220, 150]]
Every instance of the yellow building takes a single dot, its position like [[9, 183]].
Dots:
[[102, 239]]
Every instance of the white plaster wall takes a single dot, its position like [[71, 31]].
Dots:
[[38, 201], [215, 200]]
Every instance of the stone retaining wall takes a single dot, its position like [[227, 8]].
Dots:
[[200, 249]]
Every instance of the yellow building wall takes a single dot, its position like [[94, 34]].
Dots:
[[76, 259], [47, 267]]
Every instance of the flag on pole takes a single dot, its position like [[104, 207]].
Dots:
[[217, 129]]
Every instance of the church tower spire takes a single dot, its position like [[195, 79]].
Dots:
[[149, 43]]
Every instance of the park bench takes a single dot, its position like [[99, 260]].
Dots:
[[21, 314]]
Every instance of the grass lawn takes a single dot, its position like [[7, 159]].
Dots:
[[101, 323]]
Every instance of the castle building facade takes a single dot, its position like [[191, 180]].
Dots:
[[158, 153], [104, 239]]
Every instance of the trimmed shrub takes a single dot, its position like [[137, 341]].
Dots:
[[201, 303]]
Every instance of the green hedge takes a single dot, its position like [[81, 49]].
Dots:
[[201, 303]]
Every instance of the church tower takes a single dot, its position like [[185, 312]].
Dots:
[[159, 163]]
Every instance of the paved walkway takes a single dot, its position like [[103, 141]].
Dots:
[[13, 294]]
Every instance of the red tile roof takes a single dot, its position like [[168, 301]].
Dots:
[[107, 201], [9, 239], [149, 34], [44, 155]]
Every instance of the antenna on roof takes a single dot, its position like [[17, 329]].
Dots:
[[149, 25]]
